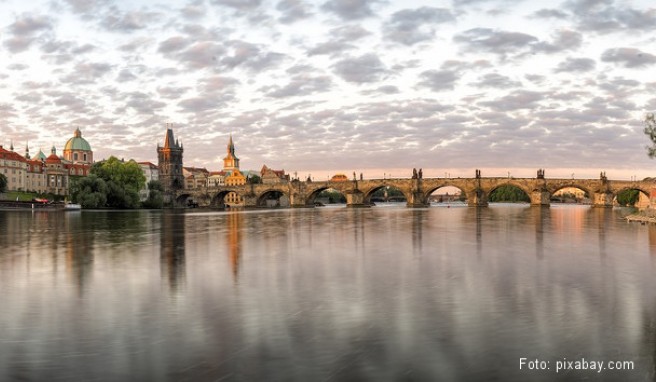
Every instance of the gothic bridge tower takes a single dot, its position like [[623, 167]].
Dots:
[[169, 163]]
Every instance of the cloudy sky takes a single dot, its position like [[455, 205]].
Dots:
[[325, 86]]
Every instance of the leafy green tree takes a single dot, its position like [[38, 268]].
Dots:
[[123, 179], [90, 192], [254, 179], [111, 183], [155, 195], [508, 193], [628, 197], [3, 183]]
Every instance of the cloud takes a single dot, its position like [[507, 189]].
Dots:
[[350, 9], [518, 99], [410, 26], [87, 73], [129, 21], [28, 25], [330, 48], [249, 56], [86, 6], [293, 10], [551, 13], [173, 44], [241, 5], [603, 16], [438, 80], [496, 81], [301, 84], [366, 68], [563, 40], [194, 10], [494, 41], [628, 57], [19, 44], [576, 65], [26, 30], [349, 33], [199, 55]]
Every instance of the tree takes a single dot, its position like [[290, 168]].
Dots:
[[155, 195], [3, 183], [90, 192], [650, 130], [123, 179], [628, 197], [254, 179], [508, 193], [112, 183]]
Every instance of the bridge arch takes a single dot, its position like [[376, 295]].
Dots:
[[218, 199], [312, 198], [392, 194], [587, 192], [643, 195], [273, 198], [431, 191], [513, 184], [182, 200]]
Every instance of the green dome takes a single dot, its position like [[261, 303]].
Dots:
[[77, 143]]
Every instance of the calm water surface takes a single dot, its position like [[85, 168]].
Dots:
[[332, 294]]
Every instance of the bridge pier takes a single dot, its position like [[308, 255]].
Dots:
[[603, 199], [540, 198], [355, 199], [477, 198], [250, 200], [417, 200]]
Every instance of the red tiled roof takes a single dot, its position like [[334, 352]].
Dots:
[[53, 158], [10, 155]]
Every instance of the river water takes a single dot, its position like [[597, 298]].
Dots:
[[326, 294]]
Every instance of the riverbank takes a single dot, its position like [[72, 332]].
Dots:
[[645, 216]]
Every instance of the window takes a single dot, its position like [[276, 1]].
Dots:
[[75, 156], [85, 157]]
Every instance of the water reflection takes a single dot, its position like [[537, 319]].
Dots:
[[234, 240], [172, 249], [325, 294], [78, 242]]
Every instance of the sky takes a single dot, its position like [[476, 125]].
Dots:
[[319, 87]]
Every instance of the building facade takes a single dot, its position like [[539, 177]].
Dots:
[[151, 173], [46, 174]]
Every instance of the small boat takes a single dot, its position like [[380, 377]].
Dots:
[[72, 207]]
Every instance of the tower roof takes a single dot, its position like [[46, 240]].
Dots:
[[170, 142], [77, 142]]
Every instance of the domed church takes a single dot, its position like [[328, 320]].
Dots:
[[78, 150]]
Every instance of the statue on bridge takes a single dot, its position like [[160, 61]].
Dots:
[[541, 173], [414, 173], [420, 174], [478, 174]]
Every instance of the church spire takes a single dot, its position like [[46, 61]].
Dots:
[[27, 150], [231, 146]]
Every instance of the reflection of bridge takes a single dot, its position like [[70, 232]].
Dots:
[[358, 193]]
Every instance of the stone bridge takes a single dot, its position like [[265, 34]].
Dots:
[[476, 191]]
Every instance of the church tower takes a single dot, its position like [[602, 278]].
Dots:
[[169, 162], [230, 162]]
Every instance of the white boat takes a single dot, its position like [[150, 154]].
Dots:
[[72, 207]]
